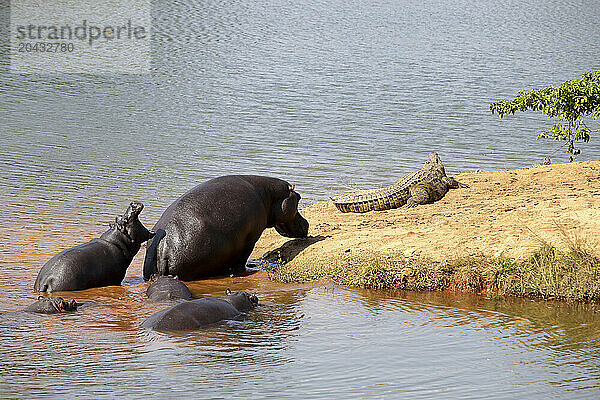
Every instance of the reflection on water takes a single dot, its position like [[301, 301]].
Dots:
[[303, 341], [307, 341], [323, 94]]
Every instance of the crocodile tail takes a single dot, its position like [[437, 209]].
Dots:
[[379, 200], [357, 206], [151, 257]]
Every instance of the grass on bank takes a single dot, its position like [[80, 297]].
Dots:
[[572, 274]]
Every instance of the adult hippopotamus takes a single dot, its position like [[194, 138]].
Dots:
[[165, 288], [196, 314], [100, 262], [51, 305], [212, 229]]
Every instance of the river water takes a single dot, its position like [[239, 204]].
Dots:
[[326, 95]]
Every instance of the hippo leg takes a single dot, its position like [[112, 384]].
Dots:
[[240, 265], [162, 266]]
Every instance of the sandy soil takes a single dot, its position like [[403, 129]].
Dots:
[[503, 213]]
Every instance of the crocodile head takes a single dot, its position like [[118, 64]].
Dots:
[[434, 163]]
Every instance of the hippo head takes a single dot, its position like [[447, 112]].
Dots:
[[287, 220], [52, 305], [241, 300], [62, 305], [130, 225]]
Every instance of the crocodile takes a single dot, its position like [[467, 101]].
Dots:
[[424, 186]]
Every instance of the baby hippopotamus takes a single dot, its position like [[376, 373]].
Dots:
[[197, 314], [100, 262], [51, 305], [165, 288]]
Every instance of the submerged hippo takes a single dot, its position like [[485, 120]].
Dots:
[[100, 262], [51, 305], [196, 314], [211, 230], [165, 288]]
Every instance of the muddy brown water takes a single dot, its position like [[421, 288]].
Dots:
[[304, 341]]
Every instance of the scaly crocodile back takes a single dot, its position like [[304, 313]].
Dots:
[[392, 196]]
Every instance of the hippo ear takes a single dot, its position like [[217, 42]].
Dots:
[[227, 292], [120, 224], [289, 206]]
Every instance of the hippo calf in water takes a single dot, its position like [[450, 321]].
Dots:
[[100, 262], [51, 305], [197, 314], [165, 288]]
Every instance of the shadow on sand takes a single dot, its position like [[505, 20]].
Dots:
[[285, 253]]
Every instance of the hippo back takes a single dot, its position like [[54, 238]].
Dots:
[[165, 288], [95, 263], [191, 315]]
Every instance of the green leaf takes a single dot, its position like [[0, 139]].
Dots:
[[571, 102]]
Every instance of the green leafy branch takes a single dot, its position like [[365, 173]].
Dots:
[[570, 103]]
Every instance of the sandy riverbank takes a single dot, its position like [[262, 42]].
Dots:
[[502, 215]]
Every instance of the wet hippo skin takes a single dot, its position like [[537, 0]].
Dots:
[[197, 314], [165, 288], [212, 229], [99, 262]]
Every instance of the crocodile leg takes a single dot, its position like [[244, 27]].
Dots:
[[418, 195], [427, 192]]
